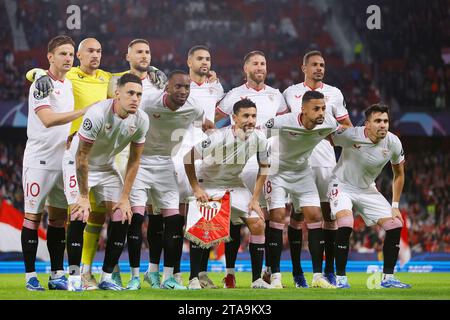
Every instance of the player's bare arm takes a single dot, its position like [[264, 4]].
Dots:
[[50, 118], [397, 188], [82, 208], [260, 180], [189, 167], [132, 169]]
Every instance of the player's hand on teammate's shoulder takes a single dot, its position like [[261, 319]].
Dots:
[[254, 206], [125, 207], [43, 84], [157, 77], [201, 195]]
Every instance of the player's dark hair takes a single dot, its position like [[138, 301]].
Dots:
[[59, 41], [243, 104], [175, 72], [311, 54], [310, 95], [136, 41], [128, 77], [378, 107], [196, 48], [253, 53]]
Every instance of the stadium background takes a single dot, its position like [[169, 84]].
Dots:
[[405, 64]]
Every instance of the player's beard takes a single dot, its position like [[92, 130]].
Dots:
[[319, 120], [141, 68], [256, 79], [202, 73]]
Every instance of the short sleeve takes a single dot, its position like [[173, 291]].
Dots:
[[282, 106], [226, 104], [36, 101], [141, 133], [206, 147], [343, 137], [90, 127], [340, 111], [262, 152], [219, 91], [398, 155]]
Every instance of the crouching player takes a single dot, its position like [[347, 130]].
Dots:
[[224, 154], [107, 129], [366, 150]]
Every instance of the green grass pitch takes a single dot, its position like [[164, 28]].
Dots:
[[434, 286]]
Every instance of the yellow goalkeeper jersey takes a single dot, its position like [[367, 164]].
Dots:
[[88, 89]]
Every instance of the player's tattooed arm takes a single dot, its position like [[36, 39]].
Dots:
[[397, 187], [82, 157], [82, 208]]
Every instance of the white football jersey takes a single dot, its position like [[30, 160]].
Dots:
[[208, 94], [45, 146], [361, 160], [109, 133], [269, 102], [149, 89], [323, 155], [294, 144], [224, 156], [168, 128]]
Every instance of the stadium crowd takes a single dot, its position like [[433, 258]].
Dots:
[[404, 66]]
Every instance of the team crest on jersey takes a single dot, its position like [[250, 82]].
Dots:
[[298, 96], [156, 115], [271, 97], [87, 124], [108, 126], [131, 129], [357, 146], [206, 143], [101, 78], [80, 76], [385, 152], [270, 123]]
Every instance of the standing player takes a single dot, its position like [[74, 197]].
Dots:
[[107, 129], [365, 151], [322, 162], [270, 102], [90, 85], [47, 129], [207, 93], [224, 154], [139, 58], [170, 116], [298, 134]]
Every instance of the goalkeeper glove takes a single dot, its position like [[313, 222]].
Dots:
[[44, 85], [157, 77]]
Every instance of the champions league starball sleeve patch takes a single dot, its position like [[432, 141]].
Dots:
[[87, 124]]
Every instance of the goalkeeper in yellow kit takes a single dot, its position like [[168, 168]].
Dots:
[[90, 85]]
